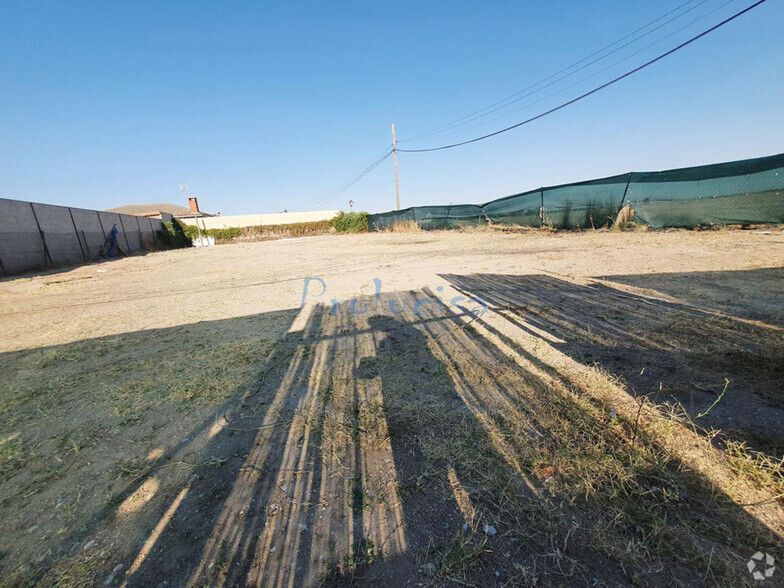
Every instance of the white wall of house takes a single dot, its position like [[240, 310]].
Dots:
[[252, 220]]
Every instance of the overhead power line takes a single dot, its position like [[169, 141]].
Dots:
[[330, 196], [532, 89], [594, 90], [580, 81]]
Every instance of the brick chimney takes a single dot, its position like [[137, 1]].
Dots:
[[193, 204]]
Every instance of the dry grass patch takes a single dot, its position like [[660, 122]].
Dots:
[[402, 227], [62, 409]]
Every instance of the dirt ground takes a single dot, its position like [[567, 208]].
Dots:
[[446, 408]]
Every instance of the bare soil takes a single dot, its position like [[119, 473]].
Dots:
[[446, 408]]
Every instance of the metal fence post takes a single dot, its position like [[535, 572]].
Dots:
[[626, 190], [141, 240], [76, 231], [127, 244], [47, 255]]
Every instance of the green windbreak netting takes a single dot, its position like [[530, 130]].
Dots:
[[519, 209], [742, 192], [584, 205], [737, 192], [430, 217]]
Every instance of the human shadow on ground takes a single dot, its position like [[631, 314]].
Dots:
[[375, 446], [406, 434]]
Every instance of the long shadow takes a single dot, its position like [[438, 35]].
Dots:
[[409, 427], [377, 443], [217, 525], [471, 432], [750, 294], [667, 350], [405, 413], [120, 359]]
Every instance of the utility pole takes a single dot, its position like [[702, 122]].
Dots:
[[397, 181]]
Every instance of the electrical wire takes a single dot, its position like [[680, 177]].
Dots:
[[588, 77], [594, 90], [509, 99], [330, 196]]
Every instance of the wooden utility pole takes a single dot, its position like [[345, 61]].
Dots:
[[397, 181]]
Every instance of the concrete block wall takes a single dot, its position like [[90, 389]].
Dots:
[[132, 230], [89, 231], [21, 246], [59, 234], [148, 228], [34, 236], [109, 219]]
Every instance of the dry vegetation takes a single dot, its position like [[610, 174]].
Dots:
[[351, 222], [265, 232], [582, 431], [403, 227]]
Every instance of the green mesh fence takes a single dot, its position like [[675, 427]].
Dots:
[[738, 192], [430, 217]]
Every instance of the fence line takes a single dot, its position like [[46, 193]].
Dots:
[[35, 236], [750, 191]]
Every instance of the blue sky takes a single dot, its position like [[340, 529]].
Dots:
[[261, 106]]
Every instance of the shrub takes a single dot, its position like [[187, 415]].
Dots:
[[191, 231], [350, 222], [226, 234], [173, 235]]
